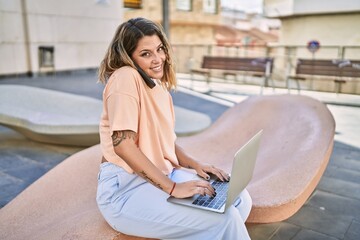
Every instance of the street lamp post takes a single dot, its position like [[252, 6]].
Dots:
[[165, 13]]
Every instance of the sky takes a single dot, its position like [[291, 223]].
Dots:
[[245, 5]]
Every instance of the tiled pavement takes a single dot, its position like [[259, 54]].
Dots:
[[332, 212]]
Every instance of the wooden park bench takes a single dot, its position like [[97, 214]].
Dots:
[[337, 70], [257, 67], [298, 137]]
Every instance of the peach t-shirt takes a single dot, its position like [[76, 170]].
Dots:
[[129, 104]]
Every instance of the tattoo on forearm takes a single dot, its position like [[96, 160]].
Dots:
[[144, 175], [119, 136]]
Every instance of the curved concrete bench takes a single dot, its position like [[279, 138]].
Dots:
[[60, 205], [62, 118], [295, 149], [294, 152], [50, 116]]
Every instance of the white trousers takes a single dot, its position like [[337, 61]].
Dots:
[[135, 207]]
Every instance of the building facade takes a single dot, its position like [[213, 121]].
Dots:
[[199, 27], [331, 23], [191, 21], [40, 36]]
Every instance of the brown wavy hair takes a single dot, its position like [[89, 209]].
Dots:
[[124, 44]]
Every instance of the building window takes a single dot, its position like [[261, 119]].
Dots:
[[210, 6], [184, 5], [46, 56], [133, 4]]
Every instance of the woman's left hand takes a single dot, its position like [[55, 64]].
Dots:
[[203, 170]]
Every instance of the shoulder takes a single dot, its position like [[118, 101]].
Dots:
[[125, 77], [126, 70], [125, 80], [125, 73]]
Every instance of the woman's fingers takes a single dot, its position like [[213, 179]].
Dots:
[[204, 188], [223, 176], [201, 191], [219, 175], [204, 175], [210, 193]]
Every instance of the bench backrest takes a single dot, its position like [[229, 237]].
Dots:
[[238, 64], [336, 67]]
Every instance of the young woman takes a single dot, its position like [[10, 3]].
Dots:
[[142, 164]]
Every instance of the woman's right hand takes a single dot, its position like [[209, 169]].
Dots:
[[190, 188]]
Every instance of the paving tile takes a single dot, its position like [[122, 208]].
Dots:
[[83, 83], [20, 153], [354, 231], [347, 163], [262, 231], [6, 180], [346, 157], [335, 204], [340, 187], [47, 159], [340, 145], [286, 231], [34, 153], [23, 162], [28, 173], [14, 189], [344, 154], [5, 199], [10, 187], [10, 192], [9, 159], [306, 234], [342, 174], [316, 219]]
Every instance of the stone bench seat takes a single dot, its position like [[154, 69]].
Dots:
[[50, 116], [296, 146], [56, 117], [295, 149]]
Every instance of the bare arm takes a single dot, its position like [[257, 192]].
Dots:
[[185, 160], [202, 170], [125, 147]]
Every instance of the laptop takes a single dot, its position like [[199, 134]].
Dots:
[[227, 192]]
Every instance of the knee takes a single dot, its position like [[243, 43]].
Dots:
[[244, 205], [231, 217]]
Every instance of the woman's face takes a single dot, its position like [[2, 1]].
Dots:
[[150, 56]]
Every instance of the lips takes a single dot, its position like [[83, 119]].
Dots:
[[157, 68]]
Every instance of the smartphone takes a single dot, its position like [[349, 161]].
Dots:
[[149, 82]]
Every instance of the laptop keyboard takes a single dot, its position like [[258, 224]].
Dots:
[[214, 202]]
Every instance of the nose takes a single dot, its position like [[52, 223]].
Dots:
[[156, 58]]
